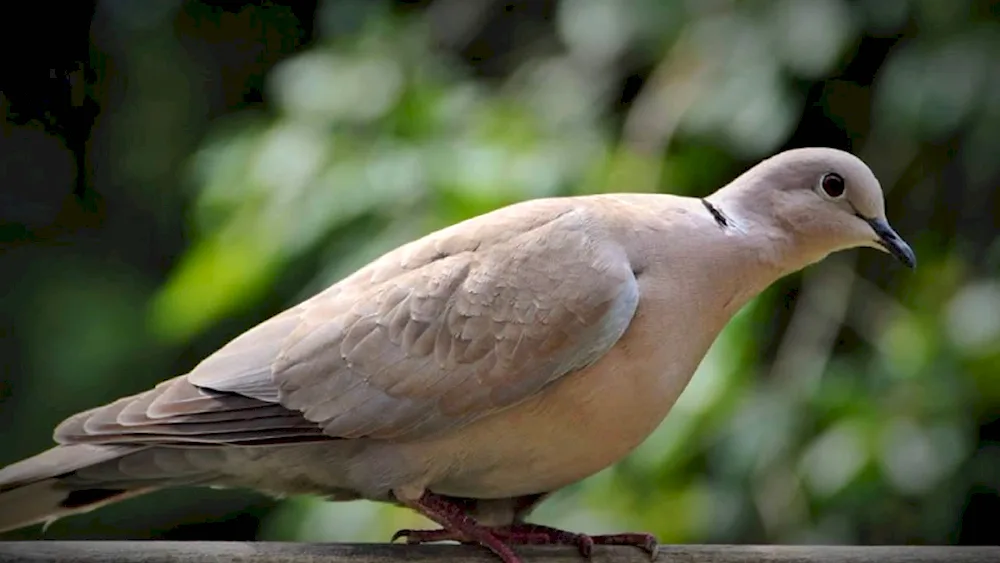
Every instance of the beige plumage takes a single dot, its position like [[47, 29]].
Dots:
[[476, 369]]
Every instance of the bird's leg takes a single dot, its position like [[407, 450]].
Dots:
[[459, 527], [531, 532], [525, 533], [534, 534], [456, 524]]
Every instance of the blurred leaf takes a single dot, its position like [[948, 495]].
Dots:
[[217, 276]]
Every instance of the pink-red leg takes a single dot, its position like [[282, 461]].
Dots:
[[527, 533], [459, 527]]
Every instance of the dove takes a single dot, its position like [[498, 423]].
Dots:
[[472, 372]]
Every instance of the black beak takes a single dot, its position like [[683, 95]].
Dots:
[[888, 239]]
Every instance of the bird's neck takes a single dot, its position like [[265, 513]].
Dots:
[[762, 235], [725, 260]]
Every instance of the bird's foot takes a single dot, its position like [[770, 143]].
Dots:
[[459, 527], [534, 534], [503, 533]]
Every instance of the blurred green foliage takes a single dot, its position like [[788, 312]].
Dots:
[[850, 404]]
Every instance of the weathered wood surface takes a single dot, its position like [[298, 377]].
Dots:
[[273, 552]]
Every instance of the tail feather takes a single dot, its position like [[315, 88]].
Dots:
[[58, 461], [46, 501], [41, 488]]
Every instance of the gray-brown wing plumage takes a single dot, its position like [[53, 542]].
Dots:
[[437, 333]]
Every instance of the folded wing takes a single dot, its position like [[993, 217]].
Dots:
[[450, 328]]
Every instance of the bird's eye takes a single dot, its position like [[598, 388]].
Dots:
[[833, 185]]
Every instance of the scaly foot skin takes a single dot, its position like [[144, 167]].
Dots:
[[534, 534], [458, 526]]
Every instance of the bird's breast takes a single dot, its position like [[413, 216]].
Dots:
[[584, 422]]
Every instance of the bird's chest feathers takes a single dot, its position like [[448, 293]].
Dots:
[[590, 419], [632, 388]]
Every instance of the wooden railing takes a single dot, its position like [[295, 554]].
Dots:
[[272, 552]]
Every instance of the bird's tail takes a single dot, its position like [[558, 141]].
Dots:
[[66, 480]]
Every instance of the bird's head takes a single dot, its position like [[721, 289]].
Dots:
[[825, 199]]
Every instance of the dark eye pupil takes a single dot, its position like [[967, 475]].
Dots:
[[833, 185]]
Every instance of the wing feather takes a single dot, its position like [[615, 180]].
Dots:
[[452, 327]]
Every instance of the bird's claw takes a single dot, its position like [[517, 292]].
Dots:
[[531, 534], [584, 543]]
